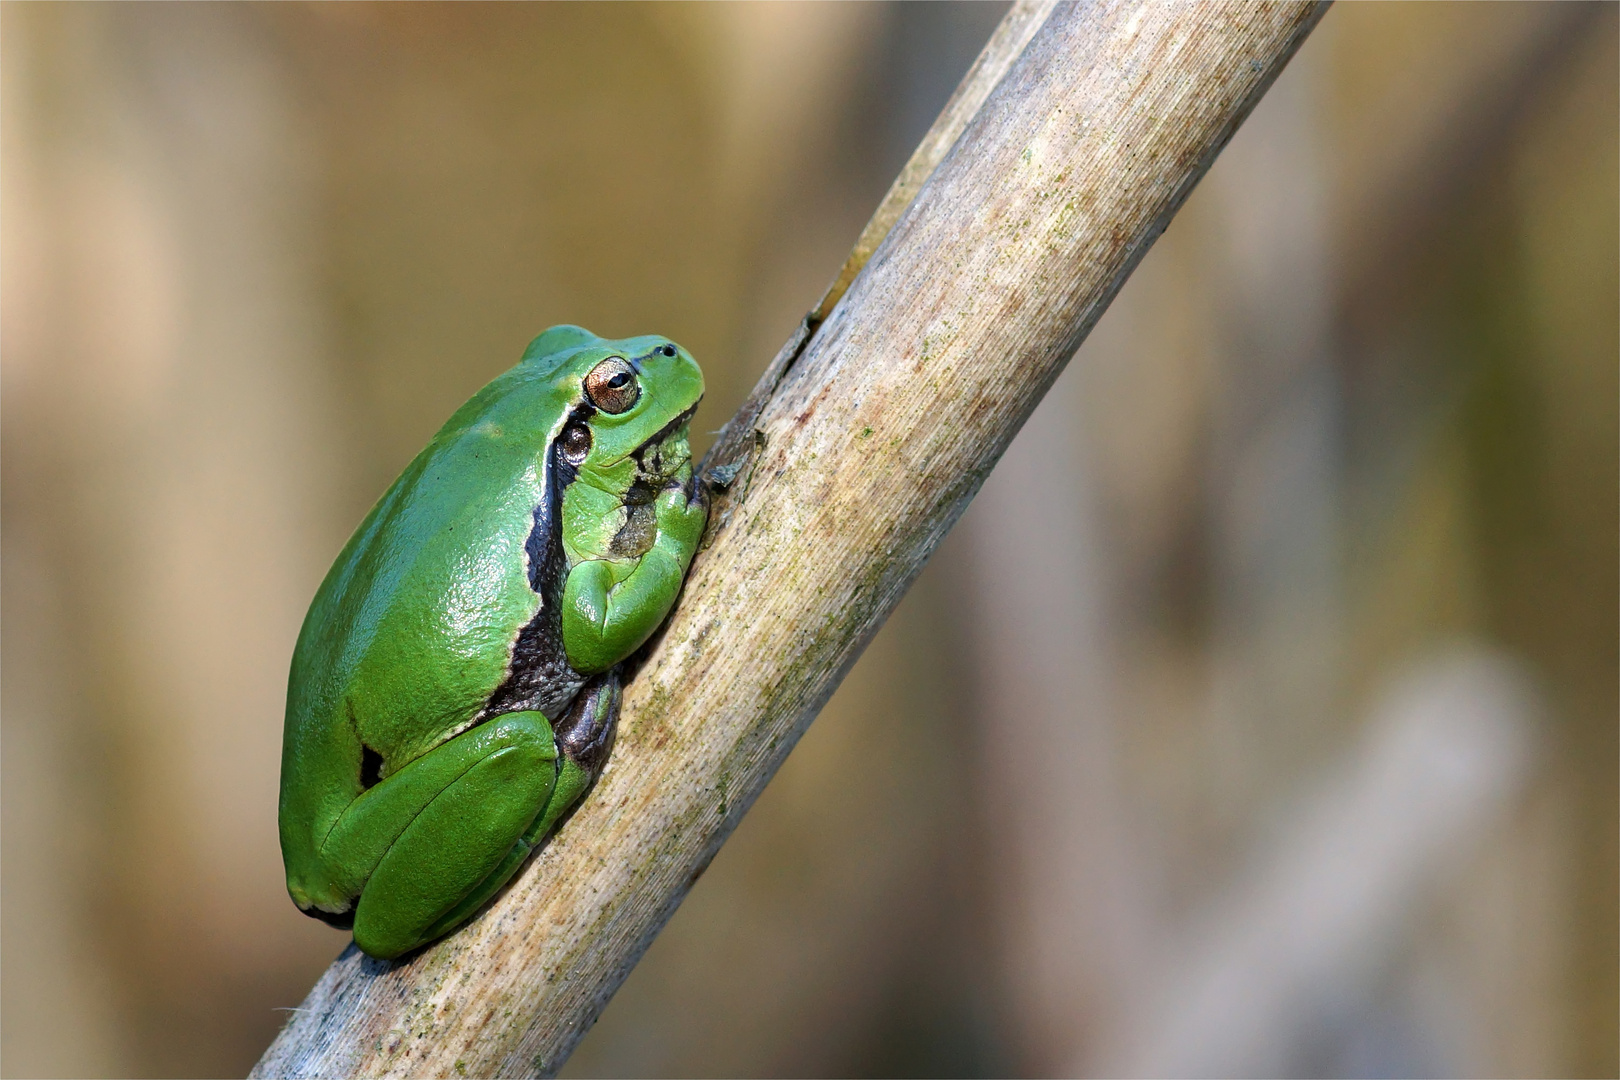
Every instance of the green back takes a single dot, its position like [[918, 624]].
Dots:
[[412, 629]]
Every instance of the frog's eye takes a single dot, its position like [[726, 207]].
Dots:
[[612, 385], [575, 442]]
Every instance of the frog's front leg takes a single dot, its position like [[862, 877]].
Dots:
[[603, 621], [450, 826]]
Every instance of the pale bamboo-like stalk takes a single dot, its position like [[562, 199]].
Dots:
[[866, 439]]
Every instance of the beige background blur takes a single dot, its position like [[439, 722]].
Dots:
[[1259, 718]]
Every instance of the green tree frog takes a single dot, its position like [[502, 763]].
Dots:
[[455, 687]]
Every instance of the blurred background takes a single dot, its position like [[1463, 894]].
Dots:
[[1258, 718]]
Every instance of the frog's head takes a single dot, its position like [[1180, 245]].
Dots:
[[632, 397]]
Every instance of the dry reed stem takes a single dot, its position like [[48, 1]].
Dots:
[[864, 444]]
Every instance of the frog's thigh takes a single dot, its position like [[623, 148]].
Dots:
[[585, 737], [457, 841]]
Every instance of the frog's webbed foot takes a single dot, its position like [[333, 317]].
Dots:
[[584, 740], [585, 732]]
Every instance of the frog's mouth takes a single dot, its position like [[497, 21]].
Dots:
[[660, 463], [666, 452]]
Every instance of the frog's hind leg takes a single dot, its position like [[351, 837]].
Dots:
[[585, 738], [434, 833]]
